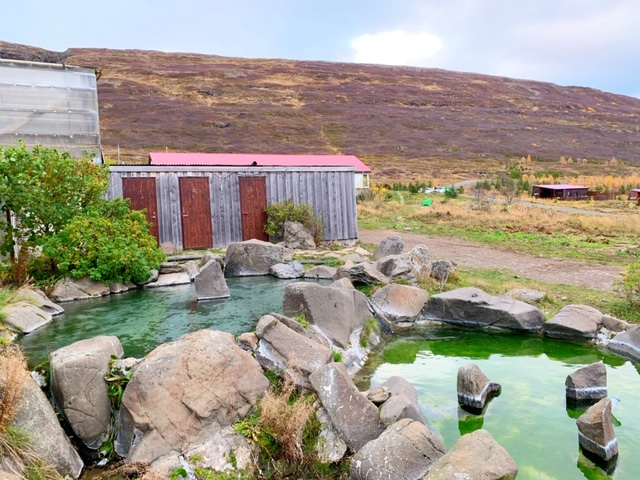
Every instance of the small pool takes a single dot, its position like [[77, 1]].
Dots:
[[145, 318], [529, 419]]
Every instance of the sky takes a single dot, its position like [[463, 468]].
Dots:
[[588, 43]]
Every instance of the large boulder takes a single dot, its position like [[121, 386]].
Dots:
[[282, 348], [354, 417], [39, 299], [473, 307], [79, 388], [365, 273], [400, 303], [289, 270], [397, 268], [574, 321], [337, 312], [405, 450], [184, 392], [170, 280], [596, 434], [474, 388], [392, 245], [402, 402], [68, 289], [627, 343], [475, 455], [36, 418], [586, 385], [420, 257], [210, 282], [321, 271], [253, 257], [441, 270], [298, 237], [25, 317]]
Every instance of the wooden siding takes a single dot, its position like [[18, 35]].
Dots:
[[330, 191]]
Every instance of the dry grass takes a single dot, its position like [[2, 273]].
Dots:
[[13, 373]]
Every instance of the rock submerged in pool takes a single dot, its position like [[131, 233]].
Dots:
[[596, 434], [586, 385], [475, 389]]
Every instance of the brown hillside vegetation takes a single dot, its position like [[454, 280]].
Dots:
[[407, 123]]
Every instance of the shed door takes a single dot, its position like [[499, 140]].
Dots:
[[195, 209], [253, 201], [142, 194]]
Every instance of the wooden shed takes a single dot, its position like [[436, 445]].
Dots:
[[561, 192], [197, 207], [633, 194]]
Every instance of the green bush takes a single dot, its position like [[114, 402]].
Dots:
[[108, 243], [629, 286], [288, 211]]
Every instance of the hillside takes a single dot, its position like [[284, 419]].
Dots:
[[407, 123]]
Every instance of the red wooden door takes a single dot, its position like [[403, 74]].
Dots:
[[195, 209], [253, 201], [142, 194]]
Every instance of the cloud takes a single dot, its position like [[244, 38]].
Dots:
[[396, 47]]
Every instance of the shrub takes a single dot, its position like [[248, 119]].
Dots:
[[629, 286], [287, 211], [108, 243]]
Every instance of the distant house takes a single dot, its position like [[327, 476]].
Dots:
[[208, 200], [633, 194], [561, 192], [361, 177]]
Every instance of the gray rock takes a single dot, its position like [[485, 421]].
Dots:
[[281, 348], [330, 448], [67, 289], [120, 287], [343, 283], [473, 307], [320, 271], [378, 395], [208, 256], [475, 455], [614, 324], [402, 402], [353, 257], [298, 237], [210, 282], [79, 388], [596, 434], [574, 321], [400, 303], [253, 257], [25, 317], [441, 270], [36, 418], [354, 417], [168, 248], [192, 268], [248, 341], [528, 295], [38, 299], [586, 385], [392, 245], [627, 343], [474, 388], [153, 277], [337, 312], [185, 391], [364, 273], [171, 267], [287, 270], [397, 268], [297, 327], [170, 280], [420, 258], [406, 450]]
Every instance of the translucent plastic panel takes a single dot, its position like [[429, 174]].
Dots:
[[48, 123], [46, 98], [46, 76]]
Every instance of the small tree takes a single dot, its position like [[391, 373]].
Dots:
[[629, 286]]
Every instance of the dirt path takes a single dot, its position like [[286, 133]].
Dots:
[[468, 254]]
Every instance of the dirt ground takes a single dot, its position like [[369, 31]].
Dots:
[[467, 254]]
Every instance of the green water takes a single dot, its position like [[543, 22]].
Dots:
[[529, 418], [146, 318]]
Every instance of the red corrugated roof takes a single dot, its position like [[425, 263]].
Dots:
[[562, 186], [262, 160]]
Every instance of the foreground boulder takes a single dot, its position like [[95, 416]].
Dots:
[[39, 299], [596, 435], [354, 417], [627, 343], [473, 307], [210, 282], [586, 385], [25, 317], [185, 392], [405, 450], [400, 303], [337, 312], [474, 388], [574, 321], [401, 403], [282, 348], [79, 389], [253, 257], [475, 455], [35, 417]]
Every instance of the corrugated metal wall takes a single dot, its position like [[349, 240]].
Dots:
[[330, 191], [51, 105]]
